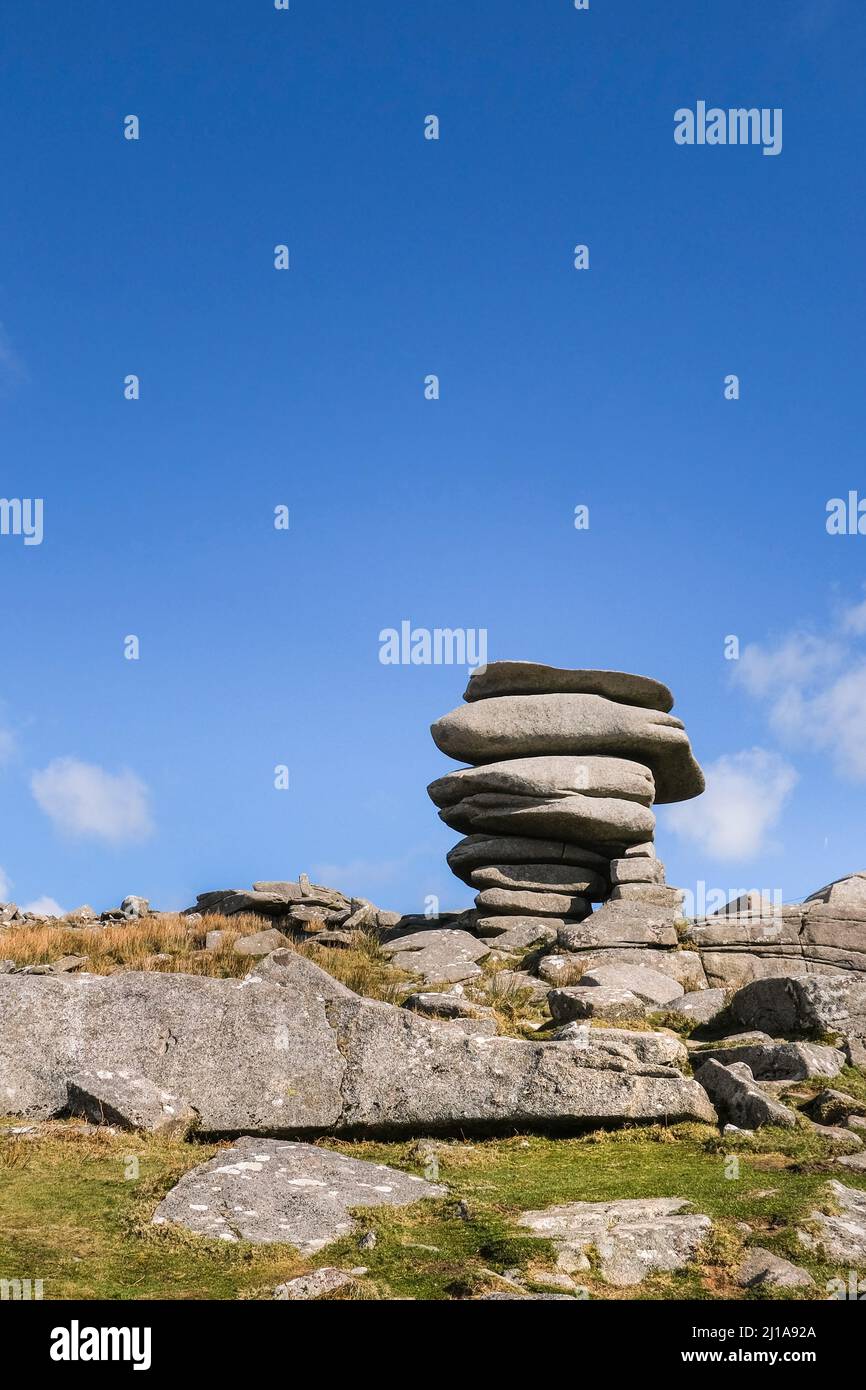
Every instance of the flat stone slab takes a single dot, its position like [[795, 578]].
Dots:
[[651, 986], [541, 878], [477, 851], [439, 956], [841, 1235], [531, 678], [632, 1238], [525, 726], [269, 1190], [614, 1003], [289, 1051], [575, 818], [548, 777]]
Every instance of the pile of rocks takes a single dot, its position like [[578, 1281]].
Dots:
[[130, 910], [297, 905], [566, 766]]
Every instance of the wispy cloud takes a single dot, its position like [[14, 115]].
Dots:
[[744, 798], [82, 799], [44, 907], [5, 886], [814, 688]]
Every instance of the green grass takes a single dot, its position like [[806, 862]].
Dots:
[[70, 1216]]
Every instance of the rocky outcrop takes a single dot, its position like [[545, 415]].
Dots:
[[825, 934], [791, 1006], [289, 1051]]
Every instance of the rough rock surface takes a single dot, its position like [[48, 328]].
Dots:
[[702, 1006], [547, 778], [651, 986], [614, 1003], [439, 956], [777, 1061], [530, 678], [739, 1100], [521, 726], [319, 1283], [121, 1098], [786, 1006], [288, 1050], [841, 1235], [631, 1238], [823, 935], [762, 1267], [267, 1190]]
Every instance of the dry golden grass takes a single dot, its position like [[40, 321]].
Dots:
[[170, 943]]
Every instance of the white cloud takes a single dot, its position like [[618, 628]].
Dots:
[[815, 689], [83, 799], [44, 907], [5, 886], [742, 803]]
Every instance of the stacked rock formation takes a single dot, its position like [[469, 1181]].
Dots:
[[557, 805]]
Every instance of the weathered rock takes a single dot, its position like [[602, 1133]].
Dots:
[[763, 1268], [517, 933], [518, 726], [267, 1190], [577, 818], [785, 1006], [702, 1006], [124, 1099], [780, 1061], [847, 893], [228, 902], [478, 851], [541, 878], [545, 778], [259, 943], [637, 869], [559, 970], [319, 1283], [856, 1162], [831, 1107], [840, 1235], [288, 1050], [619, 926], [623, 1049], [214, 940], [595, 1001], [651, 986], [653, 894], [495, 901], [531, 678], [811, 938], [738, 1099], [133, 907], [439, 956], [631, 1238]]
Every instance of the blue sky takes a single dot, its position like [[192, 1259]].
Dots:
[[305, 388]]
